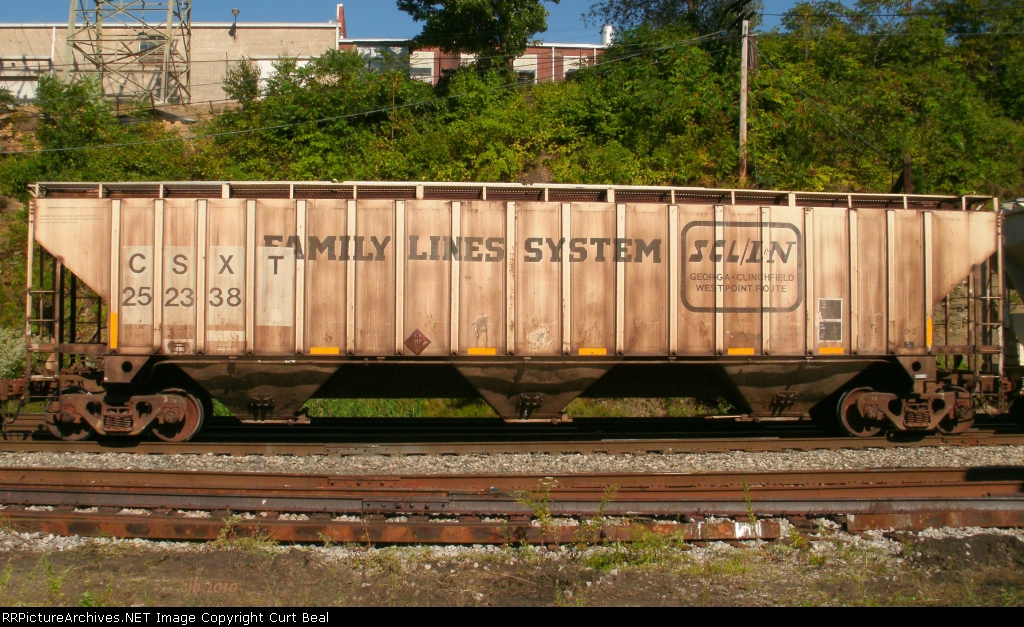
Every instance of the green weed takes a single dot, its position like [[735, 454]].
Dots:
[[54, 582], [5, 576], [646, 549], [569, 597], [589, 531], [228, 538], [1011, 596], [749, 503], [540, 503], [103, 599]]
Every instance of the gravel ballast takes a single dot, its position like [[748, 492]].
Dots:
[[945, 457]]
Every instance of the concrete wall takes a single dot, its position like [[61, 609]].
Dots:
[[27, 51], [213, 50]]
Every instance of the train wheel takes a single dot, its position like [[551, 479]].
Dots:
[[190, 424], [850, 419], [962, 418], [67, 431]]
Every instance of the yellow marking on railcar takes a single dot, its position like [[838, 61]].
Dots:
[[741, 351], [593, 351], [324, 350], [482, 351], [831, 350], [112, 330], [928, 330]]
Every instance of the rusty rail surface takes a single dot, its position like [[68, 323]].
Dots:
[[272, 444], [499, 508]]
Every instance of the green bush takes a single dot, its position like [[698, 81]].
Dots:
[[12, 353]]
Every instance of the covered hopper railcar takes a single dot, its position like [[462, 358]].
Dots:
[[263, 295]]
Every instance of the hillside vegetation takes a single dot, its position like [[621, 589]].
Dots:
[[840, 96]]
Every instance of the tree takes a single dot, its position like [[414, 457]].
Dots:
[[497, 31], [987, 33], [706, 16], [74, 114], [242, 82]]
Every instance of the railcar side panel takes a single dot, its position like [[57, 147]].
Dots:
[[79, 231], [699, 281], [831, 332], [960, 239], [907, 332], [373, 254], [646, 280], [226, 267], [179, 297], [428, 261], [741, 284], [538, 279], [593, 278], [326, 276], [872, 281], [776, 280], [782, 254], [138, 265], [482, 279], [277, 251]]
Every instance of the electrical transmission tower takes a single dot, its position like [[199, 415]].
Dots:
[[136, 47]]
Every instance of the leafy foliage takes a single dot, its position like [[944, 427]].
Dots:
[[242, 82], [704, 16], [13, 237], [12, 353], [7, 99], [495, 30]]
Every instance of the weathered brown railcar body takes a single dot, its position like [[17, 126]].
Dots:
[[266, 294]]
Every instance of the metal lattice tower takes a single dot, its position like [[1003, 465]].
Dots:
[[137, 47]]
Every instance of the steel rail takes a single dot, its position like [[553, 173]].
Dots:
[[468, 504], [611, 446]]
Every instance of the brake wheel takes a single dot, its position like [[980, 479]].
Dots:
[[188, 425], [850, 418]]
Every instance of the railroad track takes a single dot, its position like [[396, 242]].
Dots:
[[396, 437], [499, 509]]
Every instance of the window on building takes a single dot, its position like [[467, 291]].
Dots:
[[267, 69], [526, 68], [421, 66], [20, 75], [571, 64], [385, 57], [149, 42], [150, 49]]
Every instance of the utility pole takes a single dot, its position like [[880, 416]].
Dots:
[[744, 53], [908, 183]]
